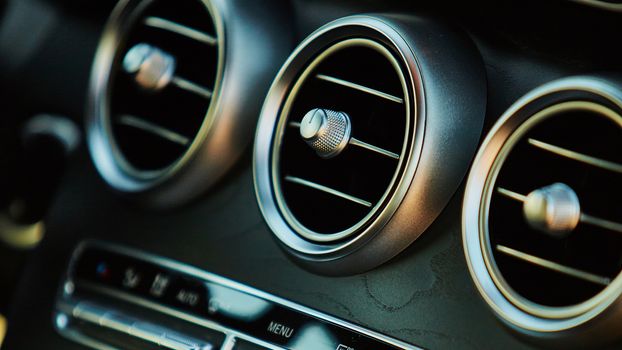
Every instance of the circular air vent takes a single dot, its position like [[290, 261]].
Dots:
[[542, 223], [341, 141], [168, 83]]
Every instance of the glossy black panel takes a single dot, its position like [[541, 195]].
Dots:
[[111, 271]]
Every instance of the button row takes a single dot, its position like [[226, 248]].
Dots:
[[177, 291], [136, 328]]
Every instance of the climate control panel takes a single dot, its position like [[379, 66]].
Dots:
[[120, 298]]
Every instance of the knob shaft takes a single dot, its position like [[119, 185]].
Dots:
[[326, 131]]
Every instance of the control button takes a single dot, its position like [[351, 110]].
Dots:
[[245, 345], [131, 278], [188, 297], [214, 306], [249, 314], [145, 331], [344, 347], [234, 304], [178, 341], [190, 294], [117, 322], [148, 332], [88, 312], [159, 285]]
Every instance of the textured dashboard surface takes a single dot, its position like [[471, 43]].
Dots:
[[424, 296]]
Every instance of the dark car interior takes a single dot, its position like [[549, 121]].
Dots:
[[310, 174]]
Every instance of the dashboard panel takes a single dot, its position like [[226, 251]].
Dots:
[[412, 276]]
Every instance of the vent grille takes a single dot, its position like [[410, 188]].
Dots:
[[156, 114], [330, 197], [542, 220], [578, 145]]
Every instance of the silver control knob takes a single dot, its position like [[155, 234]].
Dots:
[[153, 68], [326, 131], [553, 209]]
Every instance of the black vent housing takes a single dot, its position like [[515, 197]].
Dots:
[[350, 185], [176, 110], [356, 171]]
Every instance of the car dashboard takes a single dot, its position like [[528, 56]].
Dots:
[[310, 174]]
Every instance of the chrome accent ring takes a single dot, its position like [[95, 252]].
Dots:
[[538, 321], [286, 228]]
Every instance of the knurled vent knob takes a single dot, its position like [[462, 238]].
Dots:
[[553, 209], [153, 68], [326, 131]]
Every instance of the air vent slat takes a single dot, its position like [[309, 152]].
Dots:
[[602, 223], [384, 152], [511, 194], [154, 129], [328, 190], [359, 87], [164, 24], [553, 266], [194, 88], [583, 158]]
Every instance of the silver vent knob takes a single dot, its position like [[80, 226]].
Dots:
[[326, 131], [153, 68], [553, 209]]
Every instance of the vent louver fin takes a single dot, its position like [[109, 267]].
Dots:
[[360, 84], [163, 85]]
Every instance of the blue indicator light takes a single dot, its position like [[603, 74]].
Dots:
[[102, 270]]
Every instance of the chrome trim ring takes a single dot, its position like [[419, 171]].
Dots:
[[227, 127], [595, 315], [429, 174], [385, 201]]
